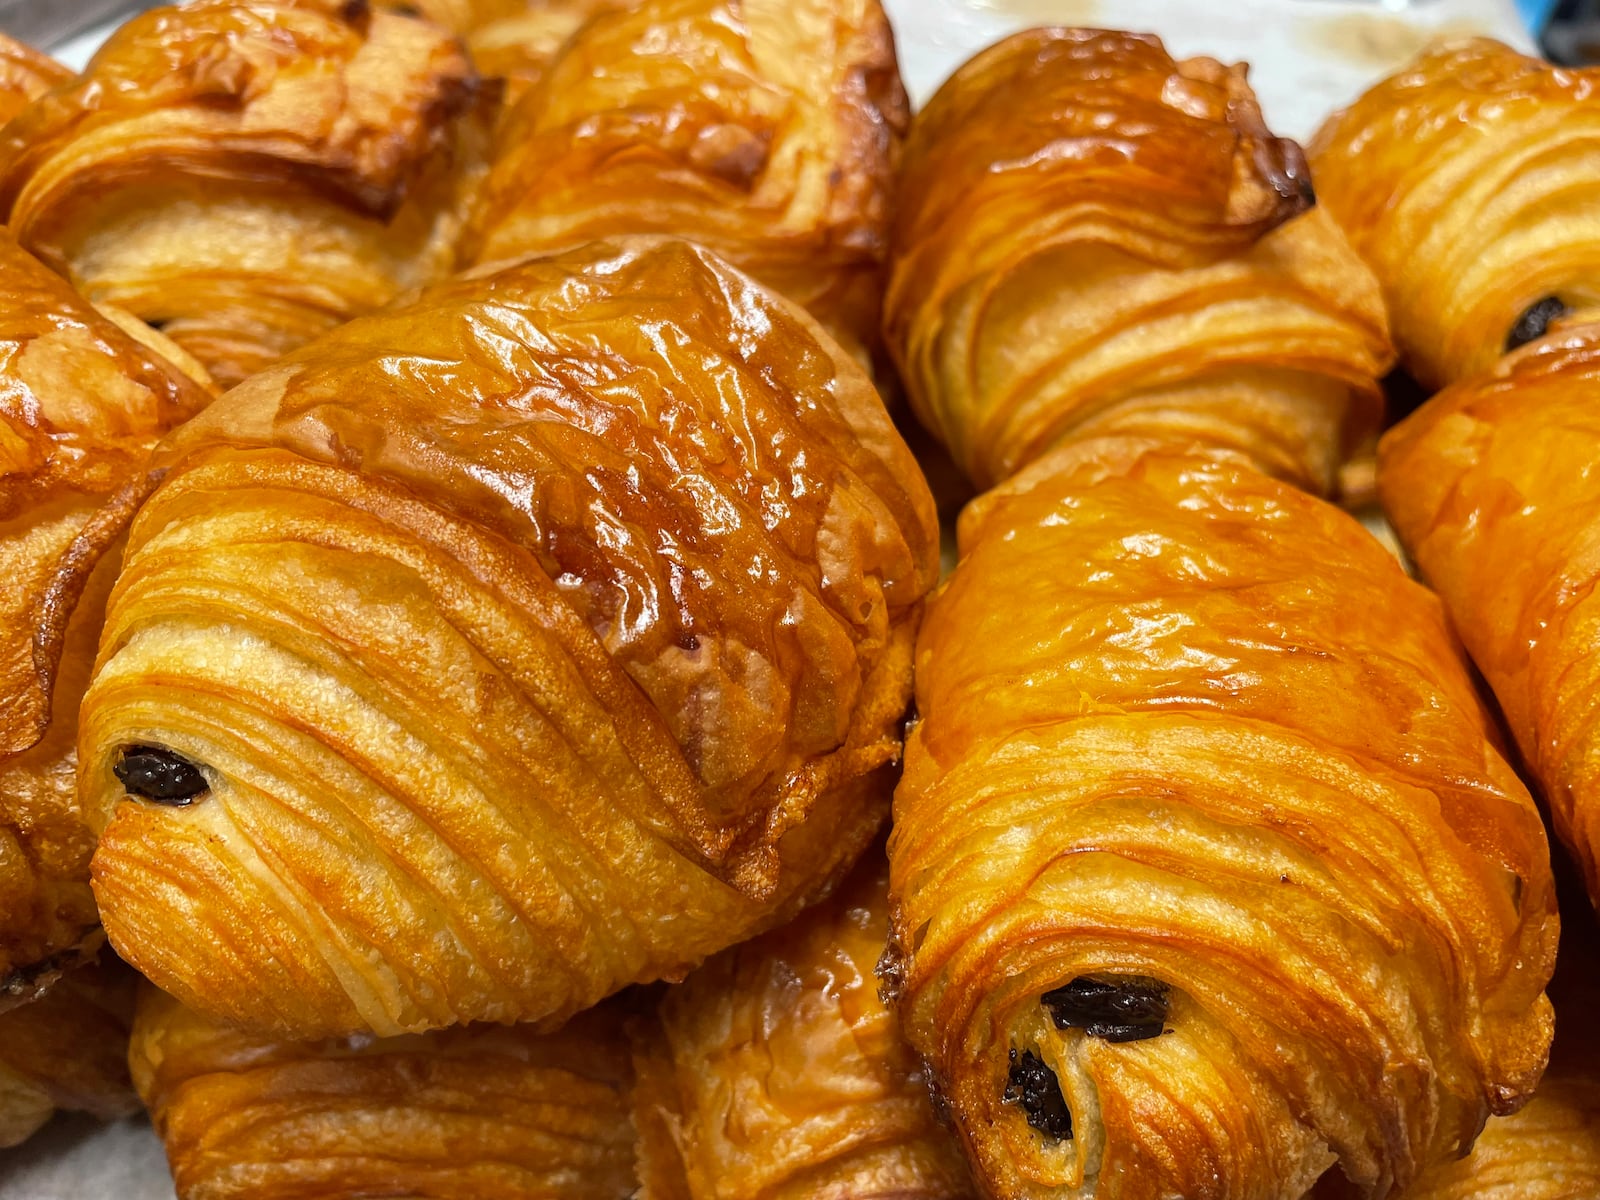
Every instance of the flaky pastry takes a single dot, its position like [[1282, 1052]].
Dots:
[[25, 74], [476, 1113], [766, 130], [775, 1072], [1467, 180], [544, 635], [1492, 488], [1094, 238], [1206, 872], [245, 174], [81, 404]]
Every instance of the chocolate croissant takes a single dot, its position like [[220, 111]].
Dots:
[[1206, 872], [25, 74], [776, 1072], [245, 174], [478, 1113], [767, 132], [1094, 238], [68, 1049], [1492, 489], [547, 634], [82, 402], [1467, 181]]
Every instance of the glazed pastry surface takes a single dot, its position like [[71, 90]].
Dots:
[[1492, 488], [775, 1071], [1094, 238], [766, 130], [25, 73], [246, 175], [544, 635], [68, 1049], [81, 404], [475, 1113], [1467, 180], [1206, 871]]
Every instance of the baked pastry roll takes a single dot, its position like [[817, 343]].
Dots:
[[25, 74], [81, 404], [246, 175], [775, 1071], [767, 130], [67, 1049], [477, 1113], [1205, 871], [544, 635], [1466, 180], [1491, 487], [1094, 238]]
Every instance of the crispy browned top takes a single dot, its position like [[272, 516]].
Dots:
[[330, 96], [25, 73]]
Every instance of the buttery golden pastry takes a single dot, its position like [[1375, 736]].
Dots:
[[1206, 874], [1492, 488], [544, 635], [775, 1072], [518, 48], [1468, 181], [81, 404], [766, 130], [246, 175], [1094, 238], [25, 73], [477, 1113], [68, 1049]]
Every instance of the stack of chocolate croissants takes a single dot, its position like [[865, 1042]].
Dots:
[[470, 618]]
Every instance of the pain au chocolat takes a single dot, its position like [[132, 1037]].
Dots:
[[246, 174], [1094, 238], [1467, 180], [766, 130], [776, 1072], [543, 635], [84, 396]]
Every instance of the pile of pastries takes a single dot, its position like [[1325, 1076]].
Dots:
[[482, 714]]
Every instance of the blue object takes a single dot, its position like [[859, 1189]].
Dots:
[[1536, 13]]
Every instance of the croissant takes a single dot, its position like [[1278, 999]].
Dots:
[[81, 404], [1491, 487], [1206, 873], [24, 75], [477, 1113], [246, 175], [67, 1049], [775, 1071], [766, 131], [1466, 180], [542, 636], [1094, 238]]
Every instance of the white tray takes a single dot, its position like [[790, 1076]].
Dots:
[[1309, 57]]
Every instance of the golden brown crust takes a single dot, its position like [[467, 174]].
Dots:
[[775, 1072], [1094, 238], [1492, 489], [767, 130], [246, 175], [544, 635], [477, 1113], [518, 48], [25, 74], [1183, 723], [81, 405], [68, 1049], [1467, 181]]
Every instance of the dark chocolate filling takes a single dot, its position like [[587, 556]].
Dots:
[[1534, 322], [1116, 1010], [1034, 1085], [156, 773]]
